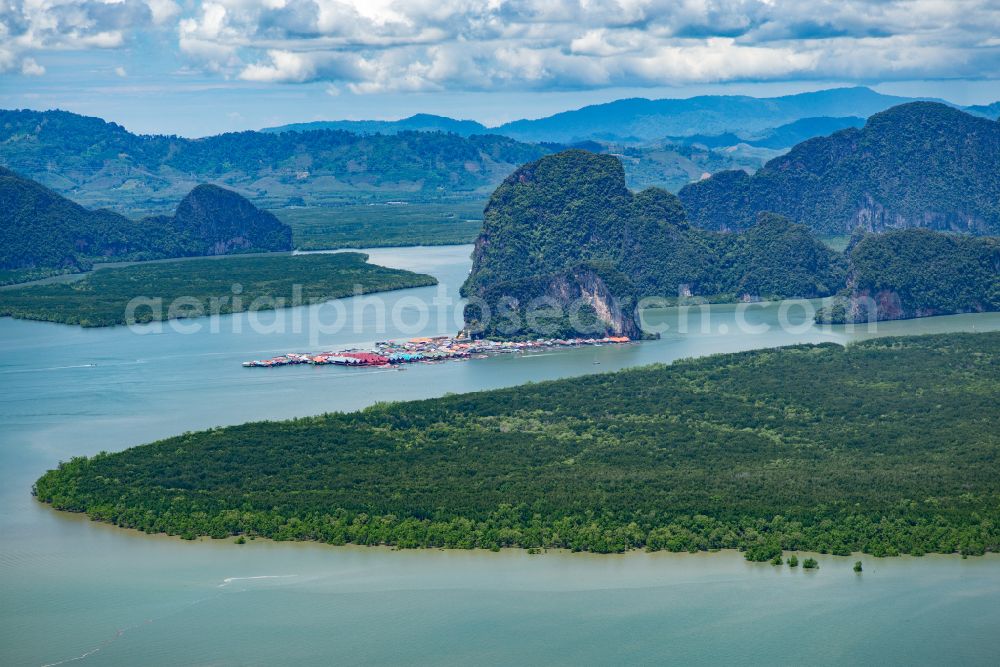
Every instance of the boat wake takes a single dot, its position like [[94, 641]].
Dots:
[[121, 631], [229, 580], [119, 634], [48, 368]]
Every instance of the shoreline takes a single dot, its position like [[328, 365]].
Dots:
[[375, 279], [83, 519]]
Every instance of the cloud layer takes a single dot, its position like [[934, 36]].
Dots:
[[419, 45]]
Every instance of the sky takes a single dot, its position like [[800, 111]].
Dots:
[[198, 67]]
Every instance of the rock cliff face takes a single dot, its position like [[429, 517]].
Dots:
[[872, 216], [594, 293], [555, 236], [578, 302], [921, 164]]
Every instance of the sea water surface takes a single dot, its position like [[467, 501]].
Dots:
[[72, 591]]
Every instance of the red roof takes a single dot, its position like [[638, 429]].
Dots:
[[366, 357]]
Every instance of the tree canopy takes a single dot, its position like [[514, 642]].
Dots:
[[887, 446]]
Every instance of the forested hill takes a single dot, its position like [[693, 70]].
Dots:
[[887, 446], [421, 122], [906, 273], [921, 164], [567, 228], [102, 164], [42, 232]]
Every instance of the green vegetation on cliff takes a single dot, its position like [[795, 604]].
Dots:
[[566, 227], [886, 446], [776, 258], [209, 286], [921, 164], [41, 232], [916, 273]]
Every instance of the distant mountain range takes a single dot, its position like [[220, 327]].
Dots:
[[102, 164], [921, 164], [645, 120], [43, 233], [419, 123], [777, 138], [641, 120], [664, 143], [985, 110]]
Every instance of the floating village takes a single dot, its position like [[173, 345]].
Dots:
[[427, 350]]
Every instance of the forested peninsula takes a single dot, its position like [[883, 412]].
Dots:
[[886, 446], [198, 287]]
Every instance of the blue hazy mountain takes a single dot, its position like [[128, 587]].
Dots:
[[790, 134], [784, 136], [638, 120], [420, 122], [986, 110], [712, 120], [643, 119]]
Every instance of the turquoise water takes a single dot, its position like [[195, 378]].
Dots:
[[73, 589]]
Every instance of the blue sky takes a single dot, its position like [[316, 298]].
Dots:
[[199, 67]]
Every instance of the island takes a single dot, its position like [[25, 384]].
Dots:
[[906, 273], [885, 447], [565, 231]]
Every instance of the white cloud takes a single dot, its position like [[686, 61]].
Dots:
[[163, 10], [31, 68], [120, 71], [284, 67], [31, 27], [378, 45]]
